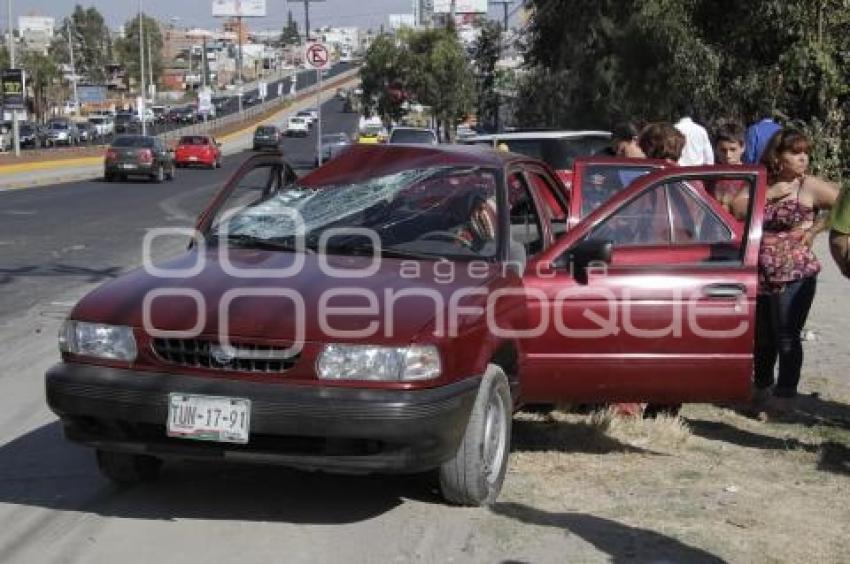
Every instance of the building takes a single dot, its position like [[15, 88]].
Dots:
[[36, 32], [175, 42], [399, 21], [344, 39], [239, 29]]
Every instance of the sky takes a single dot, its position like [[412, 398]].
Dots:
[[198, 13]]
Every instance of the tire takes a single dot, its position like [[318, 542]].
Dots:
[[218, 163], [474, 475], [653, 410], [160, 174], [172, 173], [127, 469], [108, 177]]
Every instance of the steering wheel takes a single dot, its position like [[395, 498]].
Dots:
[[443, 234]]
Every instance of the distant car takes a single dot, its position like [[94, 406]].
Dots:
[[33, 135], [332, 145], [139, 155], [268, 137], [412, 135], [104, 125], [197, 150], [251, 99], [372, 134], [558, 149], [126, 122], [159, 113], [63, 133], [307, 116], [185, 114], [314, 113], [87, 131], [297, 127]]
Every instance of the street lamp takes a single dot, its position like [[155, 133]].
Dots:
[[141, 100], [16, 134]]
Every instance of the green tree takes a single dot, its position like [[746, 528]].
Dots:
[[290, 34], [486, 55], [4, 57], [91, 42], [385, 73], [127, 48], [42, 72]]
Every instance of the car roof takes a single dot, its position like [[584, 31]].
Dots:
[[406, 128], [361, 162], [538, 135]]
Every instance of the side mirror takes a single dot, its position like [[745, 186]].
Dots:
[[579, 257]]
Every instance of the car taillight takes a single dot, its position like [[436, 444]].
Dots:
[[145, 156], [111, 155]]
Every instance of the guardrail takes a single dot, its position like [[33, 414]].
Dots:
[[251, 114]]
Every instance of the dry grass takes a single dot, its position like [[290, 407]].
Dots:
[[711, 480]]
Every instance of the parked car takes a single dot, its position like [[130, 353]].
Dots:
[[103, 124], [557, 148], [138, 155], [428, 375], [197, 150], [412, 135], [297, 126], [88, 132], [251, 99], [314, 114], [34, 135], [63, 133], [268, 137], [159, 114], [332, 145]]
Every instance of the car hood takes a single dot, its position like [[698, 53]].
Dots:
[[291, 306]]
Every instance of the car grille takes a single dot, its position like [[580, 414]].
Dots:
[[201, 353]]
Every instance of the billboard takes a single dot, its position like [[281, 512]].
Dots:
[[461, 6], [13, 87], [236, 8], [91, 94]]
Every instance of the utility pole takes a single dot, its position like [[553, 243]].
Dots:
[[306, 21], [505, 4], [152, 84], [239, 62], [141, 109], [73, 67], [16, 132]]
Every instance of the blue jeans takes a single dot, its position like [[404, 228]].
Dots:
[[779, 321]]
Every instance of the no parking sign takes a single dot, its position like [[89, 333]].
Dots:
[[317, 56]]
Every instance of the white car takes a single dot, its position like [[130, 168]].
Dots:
[[103, 125], [307, 116], [297, 126]]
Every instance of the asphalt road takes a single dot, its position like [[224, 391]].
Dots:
[[58, 238]]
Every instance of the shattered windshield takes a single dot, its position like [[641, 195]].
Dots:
[[422, 213]]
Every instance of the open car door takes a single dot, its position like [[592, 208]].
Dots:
[[651, 297]]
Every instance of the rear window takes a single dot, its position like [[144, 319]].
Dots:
[[600, 183], [123, 117], [59, 126], [133, 142], [267, 130], [558, 153], [97, 120], [297, 121], [193, 140], [413, 136]]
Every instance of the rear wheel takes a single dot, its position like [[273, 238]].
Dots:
[[475, 474], [108, 177], [218, 163], [128, 469]]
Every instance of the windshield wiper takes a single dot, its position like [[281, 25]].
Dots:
[[250, 241], [369, 250]]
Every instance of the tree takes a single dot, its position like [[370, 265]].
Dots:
[[4, 57], [486, 55], [290, 34], [91, 40], [385, 73], [41, 74], [127, 48]]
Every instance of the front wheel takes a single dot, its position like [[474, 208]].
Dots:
[[159, 175], [474, 475], [128, 469]]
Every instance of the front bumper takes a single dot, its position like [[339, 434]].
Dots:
[[311, 427]]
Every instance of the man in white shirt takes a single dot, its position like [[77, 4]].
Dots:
[[698, 149]]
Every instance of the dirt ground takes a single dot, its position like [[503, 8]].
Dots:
[[712, 485]]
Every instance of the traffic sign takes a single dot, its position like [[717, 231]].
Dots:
[[318, 56], [14, 89]]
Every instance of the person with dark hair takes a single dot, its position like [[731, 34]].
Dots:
[[624, 141], [729, 146], [697, 150], [757, 138], [788, 268], [662, 141]]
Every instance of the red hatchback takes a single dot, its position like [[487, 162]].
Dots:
[[391, 310], [198, 150]]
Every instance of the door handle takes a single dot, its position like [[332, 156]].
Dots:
[[724, 290]]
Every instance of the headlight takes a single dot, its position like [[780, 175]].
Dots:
[[111, 342], [381, 364]]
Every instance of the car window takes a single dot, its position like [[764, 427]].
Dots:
[[546, 191], [131, 141], [523, 214], [643, 221], [413, 136], [692, 221], [600, 183]]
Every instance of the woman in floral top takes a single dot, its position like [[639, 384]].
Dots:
[[788, 268]]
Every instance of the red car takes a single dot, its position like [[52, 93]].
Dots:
[[392, 309], [198, 150]]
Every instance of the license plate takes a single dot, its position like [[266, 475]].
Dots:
[[193, 158], [128, 166], [209, 418]]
